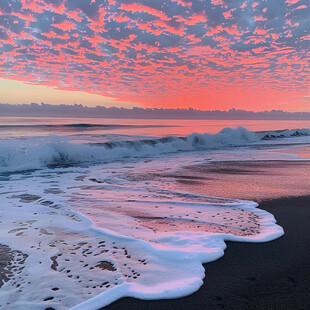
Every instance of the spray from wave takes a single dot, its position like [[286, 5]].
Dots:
[[36, 153]]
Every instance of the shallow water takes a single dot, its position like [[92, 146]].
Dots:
[[102, 215]]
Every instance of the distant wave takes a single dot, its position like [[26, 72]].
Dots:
[[35, 153], [78, 126]]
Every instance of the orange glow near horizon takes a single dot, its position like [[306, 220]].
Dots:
[[28, 93]]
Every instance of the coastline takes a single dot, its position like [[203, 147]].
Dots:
[[257, 276], [273, 275]]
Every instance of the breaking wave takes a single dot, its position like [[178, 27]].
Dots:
[[36, 153]]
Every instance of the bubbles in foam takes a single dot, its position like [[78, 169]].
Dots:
[[93, 235]]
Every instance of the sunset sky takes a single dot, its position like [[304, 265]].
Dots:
[[206, 54]]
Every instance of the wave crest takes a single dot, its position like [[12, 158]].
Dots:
[[35, 153]]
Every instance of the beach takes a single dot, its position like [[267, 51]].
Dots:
[[255, 276], [154, 154], [258, 276], [95, 219]]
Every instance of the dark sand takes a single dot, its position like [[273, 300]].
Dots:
[[6, 263], [6, 257], [10, 263], [256, 276]]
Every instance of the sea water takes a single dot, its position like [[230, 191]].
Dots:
[[90, 216]]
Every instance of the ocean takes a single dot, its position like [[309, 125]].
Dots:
[[93, 210]]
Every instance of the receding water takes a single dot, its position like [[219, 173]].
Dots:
[[97, 209]]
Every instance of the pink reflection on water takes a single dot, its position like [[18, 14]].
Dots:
[[145, 127], [302, 152], [251, 180]]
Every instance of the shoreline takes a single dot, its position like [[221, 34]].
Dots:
[[261, 276], [257, 276]]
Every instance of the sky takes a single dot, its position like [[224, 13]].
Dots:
[[212, 54]]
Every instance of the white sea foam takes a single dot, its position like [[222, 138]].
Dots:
[[93, 235], [36, 153]]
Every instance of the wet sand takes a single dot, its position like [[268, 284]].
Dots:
[[6, 256], [260, 276], [254, 276], [249, 180], [10, 262]]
